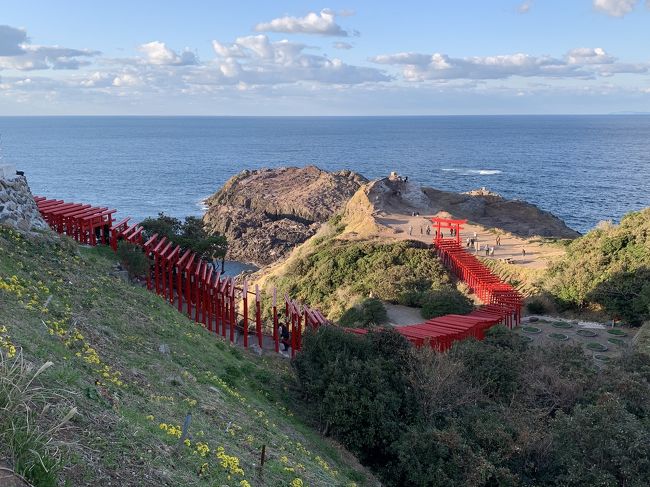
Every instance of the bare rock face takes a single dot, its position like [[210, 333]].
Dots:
[[17, 206], [265, 213], [491, 210]]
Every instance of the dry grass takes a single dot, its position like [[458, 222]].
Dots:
[[30, 419]]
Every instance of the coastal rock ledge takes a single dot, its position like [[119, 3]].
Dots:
[[265, 213], [17, 206]]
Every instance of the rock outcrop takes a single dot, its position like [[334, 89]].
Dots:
[[265, 213], [491, 210], [17, 206]]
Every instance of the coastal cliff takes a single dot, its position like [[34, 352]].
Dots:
[[267, 212]]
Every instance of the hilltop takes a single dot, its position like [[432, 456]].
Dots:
[[267, 212], [143, 379]]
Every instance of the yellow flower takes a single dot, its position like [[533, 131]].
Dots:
[[296, 483], [150, 417]]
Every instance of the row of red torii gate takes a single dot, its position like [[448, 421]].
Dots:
[[234, 310]]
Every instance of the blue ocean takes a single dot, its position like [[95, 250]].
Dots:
[[582, 168]]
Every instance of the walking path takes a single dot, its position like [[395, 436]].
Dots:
[[537, 255]]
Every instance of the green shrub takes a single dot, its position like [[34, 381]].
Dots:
[[536, 307], [335, 273], [445, 301], [609, 269], [371, 312], [189, 234], [133, 258]]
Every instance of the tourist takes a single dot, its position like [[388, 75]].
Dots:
[[468, 241], [498, 240], [487, 250], [523, 252], [283, 333], [421, 230], [491, 251], [474, 234], [428, 230]]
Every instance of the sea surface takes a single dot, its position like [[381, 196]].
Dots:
[[582, 168]]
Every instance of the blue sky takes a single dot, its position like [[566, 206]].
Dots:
[[324, 58]]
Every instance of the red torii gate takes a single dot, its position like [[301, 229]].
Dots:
[[447, 223]]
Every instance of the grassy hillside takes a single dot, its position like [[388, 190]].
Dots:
[[608, 270], [333, 272], [160, 401]]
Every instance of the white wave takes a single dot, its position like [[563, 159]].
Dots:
[[472, 172], [201, 203], [484, 172]]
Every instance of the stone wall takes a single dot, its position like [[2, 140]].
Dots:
[[17, 206]]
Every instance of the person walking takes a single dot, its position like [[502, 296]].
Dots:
[[410, 229], [283, 333], [421, 231], [523, 252], [487, 250], [491, 251]]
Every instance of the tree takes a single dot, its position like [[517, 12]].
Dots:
[[131, 256], [189, 234]]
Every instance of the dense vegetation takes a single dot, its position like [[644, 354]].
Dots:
[[159, 400], [189, 234], [487, 413], [337, 274], [608, 269]]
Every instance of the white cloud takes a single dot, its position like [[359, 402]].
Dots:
[[18, 54], [615, 8], [577, 63], [323, 23], [257, 60], [342, 45], [158, 53], [524, 7], [588, 55]]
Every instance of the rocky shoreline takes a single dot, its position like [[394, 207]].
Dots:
[[265, 213]]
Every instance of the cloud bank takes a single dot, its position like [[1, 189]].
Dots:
[[577, 63], [323, 23], [16, 52]]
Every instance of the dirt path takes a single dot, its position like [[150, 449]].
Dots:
[[399, 315], [408, 227]]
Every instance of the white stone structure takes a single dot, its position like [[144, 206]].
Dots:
[[17, 206]]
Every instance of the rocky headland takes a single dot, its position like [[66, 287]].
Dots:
[[267, 212]]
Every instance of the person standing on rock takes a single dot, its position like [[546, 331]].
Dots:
[[410, 229]]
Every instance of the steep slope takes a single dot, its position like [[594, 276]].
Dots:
[[266, 212], [144, 378], [608, 269]]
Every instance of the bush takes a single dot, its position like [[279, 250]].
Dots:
[[536, 307], [445, 301], [607, 269], [372, 312], [357, 387], [189, 234], [133, 258]]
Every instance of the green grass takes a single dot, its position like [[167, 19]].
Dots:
[[558, 336], [617, 332], [617, 341], [642, 339], [586, 333], [596, 347], [531, 329], [562, 324], [60, 303]]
